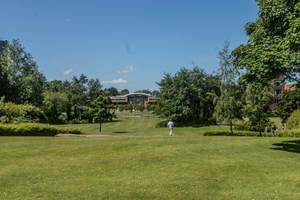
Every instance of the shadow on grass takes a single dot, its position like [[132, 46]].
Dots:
[[115, 120], [120, 132], [290, 146]]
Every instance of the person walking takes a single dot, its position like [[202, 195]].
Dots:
[[170, 126], [274, 129]]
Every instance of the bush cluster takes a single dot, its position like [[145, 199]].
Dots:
[[67, 130], [20, 113], [288, 133], [235, 133], [27, 129], [294, 120], [280, 133]]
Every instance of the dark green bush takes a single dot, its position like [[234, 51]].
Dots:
[[235, 133], [28, 129], [294, 120]]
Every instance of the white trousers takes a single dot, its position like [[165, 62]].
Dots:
[[170, 131]]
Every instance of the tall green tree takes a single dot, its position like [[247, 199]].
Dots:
[[273, 46], [55, 106], [124, 92], [289, 102], [229, 104], [101, 111], [94, 89], [187, 97], [6, 74], [259, 98], [111, 91], [78, 96], [24, 83], [56, 86]]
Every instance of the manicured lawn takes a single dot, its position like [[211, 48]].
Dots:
[[132, 125], [150, 165]]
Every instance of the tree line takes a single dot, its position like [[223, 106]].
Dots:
[[60, 101], [242, 86]]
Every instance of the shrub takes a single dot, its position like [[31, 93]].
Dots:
[[67, 130], [288, 133], [236, 133], [27, 129], [24, 113], [294, 120]]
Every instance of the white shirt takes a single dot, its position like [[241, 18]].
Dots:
[[170, 124]]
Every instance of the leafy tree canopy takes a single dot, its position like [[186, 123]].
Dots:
[[21, 82], [188, 96], [274, 42]]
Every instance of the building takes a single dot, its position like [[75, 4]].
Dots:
[[133, 98], [278, 86]]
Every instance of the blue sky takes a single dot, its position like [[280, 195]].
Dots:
[[127, 44]]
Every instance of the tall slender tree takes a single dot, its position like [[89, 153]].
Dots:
[[229, 104], [257, 109]]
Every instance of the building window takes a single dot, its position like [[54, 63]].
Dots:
[[277, 92], [277, 83]]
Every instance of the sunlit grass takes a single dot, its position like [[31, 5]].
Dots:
[[139, 161], [147, 168], [134, 125]]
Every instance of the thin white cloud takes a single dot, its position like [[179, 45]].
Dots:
[[67, 71], [127, 70], [115, 81]]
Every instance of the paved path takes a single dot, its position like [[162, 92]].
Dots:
[[88, 135], [106, 136]]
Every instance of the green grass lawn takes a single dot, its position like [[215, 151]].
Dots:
[[145, 163], [133, 125]]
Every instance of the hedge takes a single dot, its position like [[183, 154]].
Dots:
[[27, 129], [288, 133], [283, 133], [236, 133]]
